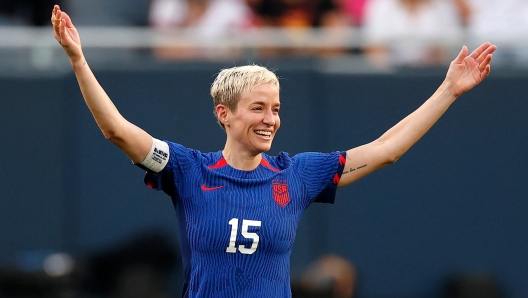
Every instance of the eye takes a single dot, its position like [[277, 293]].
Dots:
[[276, 111], [257, 108]]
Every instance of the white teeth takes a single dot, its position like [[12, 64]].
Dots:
[[262, 132]]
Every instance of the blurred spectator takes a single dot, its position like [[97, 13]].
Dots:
[[411, 32], [330, 271], [209, 20], [464, 11], [297, 15], [354, 10], [503, 22], [26, 12]]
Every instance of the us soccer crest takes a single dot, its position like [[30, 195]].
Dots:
[[280, 192]]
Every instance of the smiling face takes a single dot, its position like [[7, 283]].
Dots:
[[255, 121], [232, 83]]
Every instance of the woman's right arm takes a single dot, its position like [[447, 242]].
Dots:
[[132, 140]]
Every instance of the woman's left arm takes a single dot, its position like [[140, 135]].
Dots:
[[465, 72]]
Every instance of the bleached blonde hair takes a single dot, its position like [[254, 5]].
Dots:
[[230, 83]]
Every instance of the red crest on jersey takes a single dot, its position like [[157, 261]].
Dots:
[[280, 192]]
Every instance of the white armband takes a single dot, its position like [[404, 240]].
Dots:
[[157, 157]]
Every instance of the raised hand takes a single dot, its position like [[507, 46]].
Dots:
[[66, 34], [465, 72]]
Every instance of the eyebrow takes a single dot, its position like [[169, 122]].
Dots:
[[263, 103]]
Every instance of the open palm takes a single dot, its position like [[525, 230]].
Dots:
[[465, 72]]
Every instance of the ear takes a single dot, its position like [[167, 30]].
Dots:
[[221, 113]]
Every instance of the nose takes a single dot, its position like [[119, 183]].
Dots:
[[269, 118]]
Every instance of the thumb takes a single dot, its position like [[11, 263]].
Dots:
[[66, 18]]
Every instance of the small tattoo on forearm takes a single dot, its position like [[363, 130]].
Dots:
[[84, 63], [353, 169]]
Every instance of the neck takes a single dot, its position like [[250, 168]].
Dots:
[[241, 160]]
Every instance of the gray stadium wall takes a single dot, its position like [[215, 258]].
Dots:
[[456, 202]]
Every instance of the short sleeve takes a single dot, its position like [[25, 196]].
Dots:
[[320, 172], [181, 159]]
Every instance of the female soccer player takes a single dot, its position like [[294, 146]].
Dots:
[[239, 208]]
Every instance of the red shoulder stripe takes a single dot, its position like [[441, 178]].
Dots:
[[265, 163], [220, 163]]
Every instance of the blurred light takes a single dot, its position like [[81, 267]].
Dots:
[[58, 264]]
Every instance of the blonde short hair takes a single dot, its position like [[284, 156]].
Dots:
[[230, 83]]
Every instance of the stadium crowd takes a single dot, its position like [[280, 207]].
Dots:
[[388, 32]]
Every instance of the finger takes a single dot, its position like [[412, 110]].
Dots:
[[53, 17], [462, 54], [56, 26], [55, 11], [485, 63], [66, 18], [476, 53], [62, 31], [56, 19], [486, 72], [486, 52]]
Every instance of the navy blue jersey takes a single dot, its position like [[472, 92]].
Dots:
[[237, 228]]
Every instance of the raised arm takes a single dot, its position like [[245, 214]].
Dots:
[[134, 141], [465, 72]]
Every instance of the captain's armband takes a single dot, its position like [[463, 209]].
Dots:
[[157, 157]]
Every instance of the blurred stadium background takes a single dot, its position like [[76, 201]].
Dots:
[[448, 220]]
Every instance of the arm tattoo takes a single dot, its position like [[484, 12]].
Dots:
[[84, 63], [353, 169]]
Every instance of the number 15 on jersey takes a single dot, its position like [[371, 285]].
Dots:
[[246, 223]]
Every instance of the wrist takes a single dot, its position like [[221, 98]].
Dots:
[[448, 90], [78, 62]]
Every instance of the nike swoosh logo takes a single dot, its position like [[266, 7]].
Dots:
[[210, 188]]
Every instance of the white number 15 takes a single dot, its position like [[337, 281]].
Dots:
[[246, 223]]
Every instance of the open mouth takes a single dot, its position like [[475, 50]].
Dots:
[[263, 134]]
